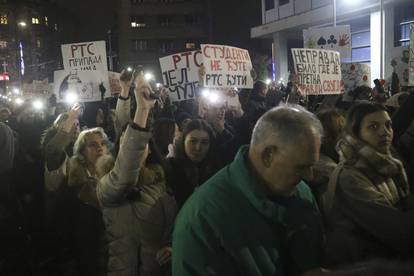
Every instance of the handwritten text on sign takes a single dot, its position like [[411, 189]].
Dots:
[[180, 74], [85, 56], [318, 71], [226, 66]]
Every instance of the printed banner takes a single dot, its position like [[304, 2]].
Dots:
[[180, 74], [318, 71], [85, 64], [114, 82], [226, 66], [411, 62], [355, 74], [84, 85], [330, 38]]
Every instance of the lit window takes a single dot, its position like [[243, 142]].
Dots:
[[35, 20], [46, 21], [190, 45], [3, 19], [164, 20], [3, 44], [139, 45], [138, 22], [166, 46]]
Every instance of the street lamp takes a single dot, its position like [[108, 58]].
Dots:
[[22, 24]]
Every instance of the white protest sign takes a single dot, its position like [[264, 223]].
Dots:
[[318, 71], [330, 38], [399, 62], [355, 74], [411, 62], [83, 85], [114, 84], [86, 62], [180, 74], [226, 66]]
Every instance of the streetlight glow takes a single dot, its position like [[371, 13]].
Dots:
[[22, 24]]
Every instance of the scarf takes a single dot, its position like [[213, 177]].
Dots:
[[378, 167]]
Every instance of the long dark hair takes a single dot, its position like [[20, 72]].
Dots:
[[357, 113], [197, 124], [163, 134]]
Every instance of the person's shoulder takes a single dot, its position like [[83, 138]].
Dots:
[[209, 198], [349, 175]]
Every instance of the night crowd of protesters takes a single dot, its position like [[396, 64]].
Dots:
[[280, 185]]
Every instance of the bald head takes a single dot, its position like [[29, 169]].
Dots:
[[284, 126]]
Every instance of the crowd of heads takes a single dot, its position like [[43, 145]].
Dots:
[[191, 141]]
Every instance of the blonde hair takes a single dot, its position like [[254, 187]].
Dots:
[[80, 143]]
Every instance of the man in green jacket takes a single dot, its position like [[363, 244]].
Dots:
[[256, 216]]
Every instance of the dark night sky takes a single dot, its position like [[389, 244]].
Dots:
[[231, 20]]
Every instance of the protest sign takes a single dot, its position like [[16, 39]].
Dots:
[[318, 71], [330, 38], [355, 74], [399, 62], [180, 74], [114, 84], [85, 65], [37, 88], [83, 85], [226, 66], [411, 62]]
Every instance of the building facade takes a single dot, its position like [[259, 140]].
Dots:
[[150, 29], [29, 49], [284, 20]]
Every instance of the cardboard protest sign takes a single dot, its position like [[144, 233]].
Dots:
[[114, 84], [399, 62], [37, 88], [180, 74], [411, 62], [83, 85], [86, 66], [330, 38], [355, 74], [226, 66], [318, 71]]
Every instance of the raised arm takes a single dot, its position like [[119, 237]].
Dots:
[[132, 153], [55, 149]]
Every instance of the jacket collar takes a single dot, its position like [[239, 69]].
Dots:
[[243, 179]]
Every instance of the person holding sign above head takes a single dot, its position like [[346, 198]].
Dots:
[[256, 216]]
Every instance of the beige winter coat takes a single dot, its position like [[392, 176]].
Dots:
[[136, 228]]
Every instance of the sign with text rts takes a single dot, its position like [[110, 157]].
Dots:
[[411, 62], [180, 74], [85, 63], [226, 66], [329, 38], [318, 71]]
